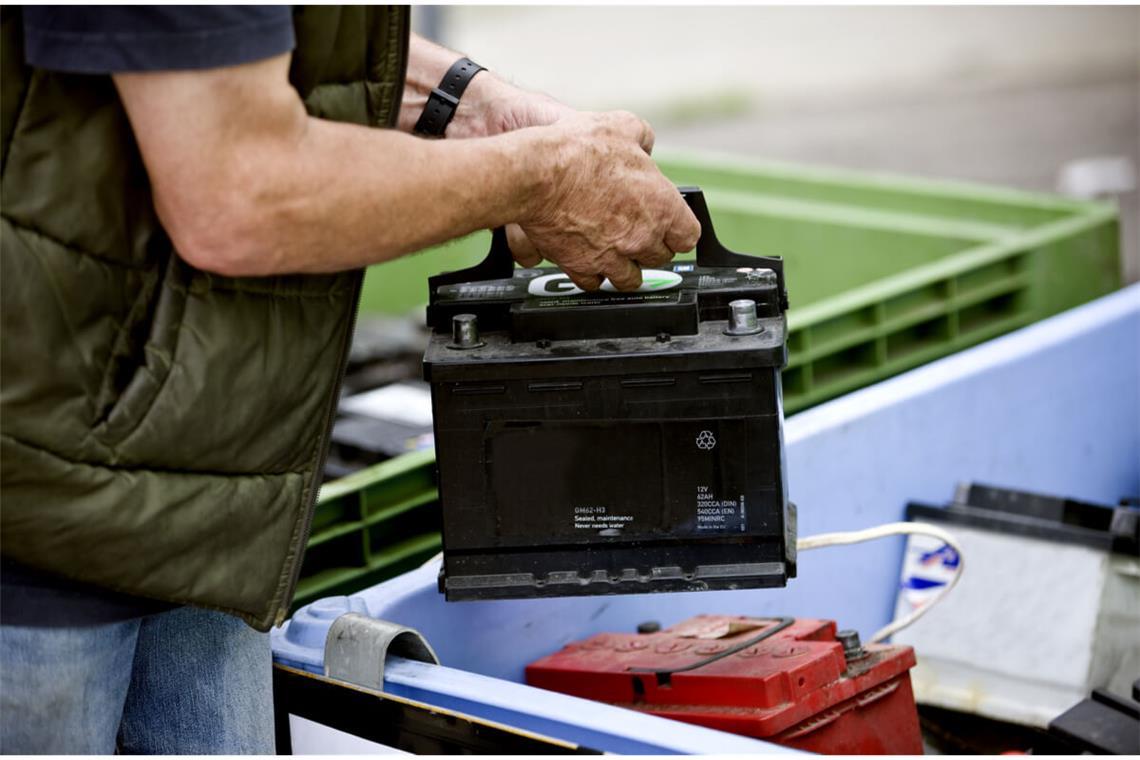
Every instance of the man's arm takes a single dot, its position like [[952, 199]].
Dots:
[[247, 184], [490, 105]]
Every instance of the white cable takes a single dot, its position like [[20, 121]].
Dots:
[[882, 531], [843, 538]]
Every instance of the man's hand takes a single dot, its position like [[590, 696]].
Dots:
[[492, 106], [247, 184], [608, 210]]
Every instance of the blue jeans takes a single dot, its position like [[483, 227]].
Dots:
[[187, 681]]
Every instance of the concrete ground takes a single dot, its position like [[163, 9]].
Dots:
[[1006, 95]]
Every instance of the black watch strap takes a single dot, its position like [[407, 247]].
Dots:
[[444, 99]]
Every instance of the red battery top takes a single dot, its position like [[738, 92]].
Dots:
[[782, 679]]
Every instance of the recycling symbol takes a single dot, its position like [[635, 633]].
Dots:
[[706, 440]]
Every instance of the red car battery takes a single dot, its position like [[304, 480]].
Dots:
[[796, 682]]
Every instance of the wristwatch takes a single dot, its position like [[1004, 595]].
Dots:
[[444, 99]]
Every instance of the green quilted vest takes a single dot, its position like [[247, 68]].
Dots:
[[164, 429]]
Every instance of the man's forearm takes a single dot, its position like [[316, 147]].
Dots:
[[247, 183], [345, 196]]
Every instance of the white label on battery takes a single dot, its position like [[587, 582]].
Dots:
[[652, 280], [928, 565], [719, 513], [599, 518]]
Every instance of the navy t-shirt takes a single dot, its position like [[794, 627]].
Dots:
[[106, 40]]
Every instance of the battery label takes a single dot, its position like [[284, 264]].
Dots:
[[719, 513], [488, 289], [598, 518], [559, 284], [561, 302], [672, 478], [928, 565], [551, 284]]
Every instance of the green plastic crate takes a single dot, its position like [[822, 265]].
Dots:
[[371, 526], [884, 273]]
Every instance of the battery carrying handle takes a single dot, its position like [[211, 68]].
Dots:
[[711, 253], [499, 263]]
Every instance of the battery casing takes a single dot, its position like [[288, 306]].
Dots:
[[597, 443], [794, 686]]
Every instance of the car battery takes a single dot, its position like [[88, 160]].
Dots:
[[796, 682], [611, 442]]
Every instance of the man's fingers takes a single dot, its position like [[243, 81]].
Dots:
[[624, 274], [655, 256], [685, 230], [639, 130], [586, 281], [647, 138], [521, 248]]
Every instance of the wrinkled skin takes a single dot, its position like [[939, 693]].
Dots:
[[609, 211]]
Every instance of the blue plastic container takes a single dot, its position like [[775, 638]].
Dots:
[[1051, 408], [568, 719]]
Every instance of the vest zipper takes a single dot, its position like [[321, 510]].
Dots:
[[325, 442]]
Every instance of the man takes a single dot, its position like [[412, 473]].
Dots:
[[188, 197]]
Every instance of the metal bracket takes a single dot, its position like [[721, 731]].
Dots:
[[357, 647]]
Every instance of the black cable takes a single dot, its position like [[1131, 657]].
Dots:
[[663, 675]]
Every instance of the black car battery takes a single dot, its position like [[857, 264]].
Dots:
[[611, 442]]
